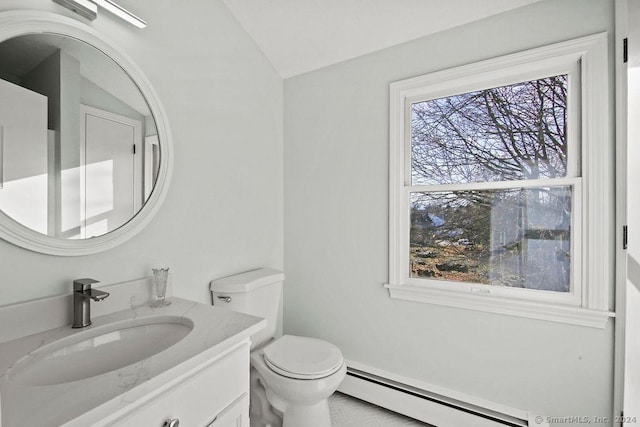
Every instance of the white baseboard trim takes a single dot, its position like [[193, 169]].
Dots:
[[430, 404]]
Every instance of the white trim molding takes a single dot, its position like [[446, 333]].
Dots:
[[622, 190], [500, 305], [590, 177]]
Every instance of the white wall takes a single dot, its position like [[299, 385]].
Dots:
[[223, 213], [336, 231]]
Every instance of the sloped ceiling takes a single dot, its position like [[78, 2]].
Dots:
[[303, 35]]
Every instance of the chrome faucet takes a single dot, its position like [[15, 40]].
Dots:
[[82, 296]]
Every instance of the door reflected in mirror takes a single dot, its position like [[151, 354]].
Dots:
[[79, 151]]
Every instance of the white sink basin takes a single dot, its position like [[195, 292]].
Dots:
[[99, 350]]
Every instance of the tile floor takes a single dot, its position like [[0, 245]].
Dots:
[[347, 411]]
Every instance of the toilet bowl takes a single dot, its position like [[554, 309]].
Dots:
[[297, 375], [291, 376]]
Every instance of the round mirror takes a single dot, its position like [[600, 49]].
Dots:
[[84, 144]]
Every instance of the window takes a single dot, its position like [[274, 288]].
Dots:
[[499, 175]]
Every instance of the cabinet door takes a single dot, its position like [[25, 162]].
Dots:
[[199, 400], [234, 415]]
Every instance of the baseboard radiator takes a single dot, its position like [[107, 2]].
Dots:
[[429, 407]]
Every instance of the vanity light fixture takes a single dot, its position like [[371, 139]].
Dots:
[[85, 8], [121, 12], [89, 10]]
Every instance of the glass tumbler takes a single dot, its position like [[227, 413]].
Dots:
[[160, 276]]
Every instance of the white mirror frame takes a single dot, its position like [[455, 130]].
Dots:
[[17, 23]]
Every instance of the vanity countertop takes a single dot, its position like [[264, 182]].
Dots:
[[89, 400]]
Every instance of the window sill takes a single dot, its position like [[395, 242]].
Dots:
[[500, 305]]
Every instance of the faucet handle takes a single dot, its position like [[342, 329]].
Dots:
[[80, 285]]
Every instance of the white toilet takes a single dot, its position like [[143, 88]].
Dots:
[[291, 376]]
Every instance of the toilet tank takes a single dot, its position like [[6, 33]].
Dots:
[[255, 292]]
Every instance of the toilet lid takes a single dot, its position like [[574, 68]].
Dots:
[[303, 357]]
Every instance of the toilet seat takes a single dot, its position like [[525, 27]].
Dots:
[[302, 357]]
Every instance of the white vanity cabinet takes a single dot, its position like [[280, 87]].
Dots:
[[216, 394], [201, 381]]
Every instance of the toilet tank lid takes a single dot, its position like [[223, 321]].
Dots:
[[247, 281]]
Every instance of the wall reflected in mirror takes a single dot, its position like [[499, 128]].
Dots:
[[79, 152]]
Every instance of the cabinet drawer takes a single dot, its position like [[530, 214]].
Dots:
[[218, 389]]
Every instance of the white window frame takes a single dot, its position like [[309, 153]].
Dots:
[[590, 175]]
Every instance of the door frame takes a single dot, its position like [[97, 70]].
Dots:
[[621, 32], [137, 159]]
